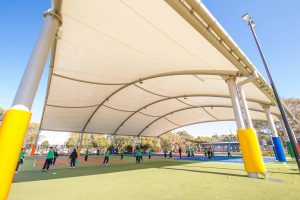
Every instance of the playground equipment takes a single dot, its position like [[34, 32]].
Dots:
[[139, 68]]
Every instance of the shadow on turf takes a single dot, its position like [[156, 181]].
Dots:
[[208, 172], [27, 176], [242, 170], [37, 175]]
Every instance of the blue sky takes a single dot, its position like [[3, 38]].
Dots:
[[278, 28]]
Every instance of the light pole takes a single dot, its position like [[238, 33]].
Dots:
[[292, 138]]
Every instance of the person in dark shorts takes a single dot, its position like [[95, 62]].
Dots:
[[49, 159], [171, 154], [229, 154], [165, 153], [150, 153], [86, 155], [20, 160], [73, 158], [55, 156], [138, 157], [192, 153], [209, 154], [106, 158], [180, 152], [122, 153]]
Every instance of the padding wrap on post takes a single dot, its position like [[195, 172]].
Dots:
[[33, 150], [279, 149], [12, 133], [253, 161], [290, 149], [78, 151]]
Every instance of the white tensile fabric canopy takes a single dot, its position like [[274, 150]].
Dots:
[[143, 68]]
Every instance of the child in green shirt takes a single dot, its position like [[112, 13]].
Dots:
[[86, 154], [106, 157], [20, 159], [122, 154], [49, 159], [150, 153], [138, 157], [165, 153]]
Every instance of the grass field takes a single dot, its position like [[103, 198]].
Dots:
[[154, 179]]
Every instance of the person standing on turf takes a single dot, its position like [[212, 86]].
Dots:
[[55, 156], [86, 155], [141, 155], [205, 152], [170, 154], [106, 157], [73, 157], [209, 154], [138, 157], [98, 152], [49, 159], [20, 160], [229, 154], [150, 153], [165, 153], [122, 153], [180, 152]]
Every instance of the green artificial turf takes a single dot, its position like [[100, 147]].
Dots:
[[155, 179]]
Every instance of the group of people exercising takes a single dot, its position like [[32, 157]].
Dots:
[[52, 155]]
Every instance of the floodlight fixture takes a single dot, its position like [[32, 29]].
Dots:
[[247, 18]]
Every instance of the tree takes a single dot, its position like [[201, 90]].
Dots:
[[32, 133], [45, 144], [183, 137], [148, 142], [121, 141], [72, 140], [293, 105], [167, 140], [101, 142]]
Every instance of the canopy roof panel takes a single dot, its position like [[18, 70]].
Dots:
[[143, 68]]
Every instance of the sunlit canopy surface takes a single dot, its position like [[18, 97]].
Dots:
[[142, 68]]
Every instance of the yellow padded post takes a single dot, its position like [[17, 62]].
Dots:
[[33, 150], [253, 161], [12, 133], [78, 151]]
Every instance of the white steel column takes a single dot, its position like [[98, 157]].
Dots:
[[33, 72], [235, 103], [248, 120], [237, 110], [271, 121]]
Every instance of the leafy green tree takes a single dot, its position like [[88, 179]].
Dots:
[[148, 142], [32, 132], [45, 144], [121, 141], [72, 140], [101, 142]]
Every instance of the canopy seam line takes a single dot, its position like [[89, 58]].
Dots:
[[210, 114], [149, 91], [114, 39], [83, 81], [164, 34]]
